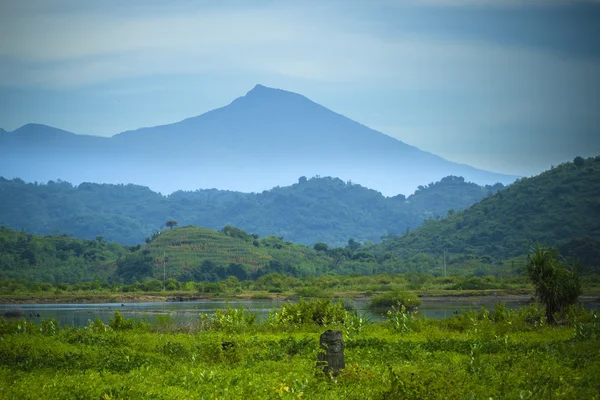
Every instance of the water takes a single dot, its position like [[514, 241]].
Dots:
[[181, 312]]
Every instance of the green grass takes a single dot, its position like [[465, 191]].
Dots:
[[500, 355]]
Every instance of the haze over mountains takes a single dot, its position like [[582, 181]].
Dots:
[[268, 137]]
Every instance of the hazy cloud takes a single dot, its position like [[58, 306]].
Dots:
[[465, 84]]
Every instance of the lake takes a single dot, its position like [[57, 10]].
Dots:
[[80, 314]]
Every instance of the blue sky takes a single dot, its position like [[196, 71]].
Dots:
[[508, 86]]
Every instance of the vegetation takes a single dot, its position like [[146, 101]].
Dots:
[[490, 238], [557, 285], [56, 258], [559, 207], [171, 224], [190, 254], [231, 354], [406, 300], [314, 210], [272, 285]]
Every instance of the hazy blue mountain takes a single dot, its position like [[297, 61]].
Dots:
[[266, 138]]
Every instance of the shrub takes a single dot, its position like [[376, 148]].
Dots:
[[260, 296], [120, 323], [395, 299], [401, 320], [228, 320], [310, 292], [315, 311], [533, 315], [474, 283], [557, 285]]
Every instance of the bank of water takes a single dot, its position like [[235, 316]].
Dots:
[[188, 312]]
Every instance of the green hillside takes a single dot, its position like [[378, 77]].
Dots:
[[560, 207], [313, 210], [56, 258], [200, 254]]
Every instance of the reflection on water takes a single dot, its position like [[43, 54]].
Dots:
[[80, 314]]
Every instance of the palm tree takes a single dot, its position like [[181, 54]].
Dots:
[[557, 284]]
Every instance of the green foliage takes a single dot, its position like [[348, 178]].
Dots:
[[313, 210], [316, 311], [557, 285], [588, 328], [396, 299], [56, 258], [557, 208], [119, 323], [400, 319], [493, 355], [320, 246], [171, 224], [228, 320], [475, 283]]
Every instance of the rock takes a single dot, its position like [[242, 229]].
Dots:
[[331, 356]]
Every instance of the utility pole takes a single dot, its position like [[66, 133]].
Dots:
[[444, 263], [164, 269]]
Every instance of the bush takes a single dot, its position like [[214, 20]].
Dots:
[[474, 283], [228, 320], [557, 284], [310, 292], [119, 323], [315, 311], [395, 299], [401, 320]]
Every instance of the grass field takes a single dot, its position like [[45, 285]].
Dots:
[[500, 355]]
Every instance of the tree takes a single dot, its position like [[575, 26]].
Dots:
[[557, 284], [320, 246], [578, 161], [171, 224], [353, 245]]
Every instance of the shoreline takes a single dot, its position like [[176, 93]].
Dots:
[[429, 296]]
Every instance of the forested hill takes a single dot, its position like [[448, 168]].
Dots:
[[560, 207], [313, 210], [182, 254], [56, 258]]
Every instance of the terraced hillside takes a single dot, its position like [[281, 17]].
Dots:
[[191, 246], [193, 253]]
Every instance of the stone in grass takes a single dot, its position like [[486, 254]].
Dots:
[[331, 356]]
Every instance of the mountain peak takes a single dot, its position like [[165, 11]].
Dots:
[[40, 131], [261, 90], [264, 92], [258, 86]]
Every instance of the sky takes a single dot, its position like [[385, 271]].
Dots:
[[503, 85]]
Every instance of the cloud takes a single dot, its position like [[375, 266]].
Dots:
[[497, 3], [77, 49], [445, 89]]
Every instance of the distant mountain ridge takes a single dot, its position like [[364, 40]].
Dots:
[[312, 210], [266, 138]]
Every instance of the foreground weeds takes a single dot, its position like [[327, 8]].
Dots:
[[231, 355]]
